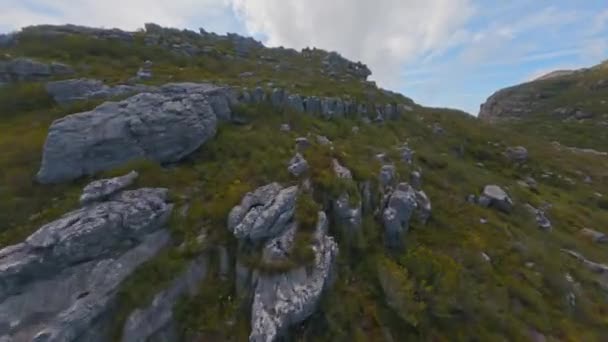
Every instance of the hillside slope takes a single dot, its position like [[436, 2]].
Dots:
[[568, 107], [276, 195]]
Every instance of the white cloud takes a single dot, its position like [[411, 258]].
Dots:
[[124, 14], [385, 34]]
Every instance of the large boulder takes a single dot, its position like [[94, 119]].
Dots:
[[25, 69], [263, 213], [61, 283], [518, 154], [162, 127], [283, 300]]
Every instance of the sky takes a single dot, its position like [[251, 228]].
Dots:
[[445, 53]]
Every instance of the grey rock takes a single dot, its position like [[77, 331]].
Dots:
[[594, 235], [517, 154], [286, 299], [81, 258], [297, 165], [246, 74], [25, 69], [154, 320], [471, 199], [437, 129], [494, 196], [295, 103], [407, 154], [264, 213], [367, 200], [347, 215], [162, 127], [539, 215], [355, 130], [387, 175], [279, 248], [285, 128], [224, 262], [398, 210], [312, 105], [341, 171], [103, 188]]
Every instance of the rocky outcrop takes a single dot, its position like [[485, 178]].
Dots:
[[103, 188], [283, 300], [397, 211], [80, 259], [266, 216], [69, 91], [347, 211], [326, 107], [155, 322], [25, 69], [263, 213], [52, 31], [162, 127], [495, 197]]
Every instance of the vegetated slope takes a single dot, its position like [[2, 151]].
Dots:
[[469, 273], [568, 107]]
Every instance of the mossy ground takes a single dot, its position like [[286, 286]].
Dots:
[[438, 288]]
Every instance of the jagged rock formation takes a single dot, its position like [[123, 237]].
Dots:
[[282, 300], [267, 216], [263, 213], [163, 127], [397, 211], [25, 69], [60, 284]]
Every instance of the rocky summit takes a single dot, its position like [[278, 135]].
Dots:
[[177, 185]]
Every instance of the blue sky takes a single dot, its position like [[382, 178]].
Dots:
[[450, 53]]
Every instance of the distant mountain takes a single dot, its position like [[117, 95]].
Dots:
[[562, 105]]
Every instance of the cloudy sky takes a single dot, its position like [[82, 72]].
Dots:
[[451, 53]]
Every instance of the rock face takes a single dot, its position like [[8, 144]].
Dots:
[[25, 69], [594, 235], [263, 213], [81, 259], [494, 196], [68, 91], [162, 127], [155, 322], [326, 107], [283, 300]]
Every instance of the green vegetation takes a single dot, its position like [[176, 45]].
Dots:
[[440, 288]]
